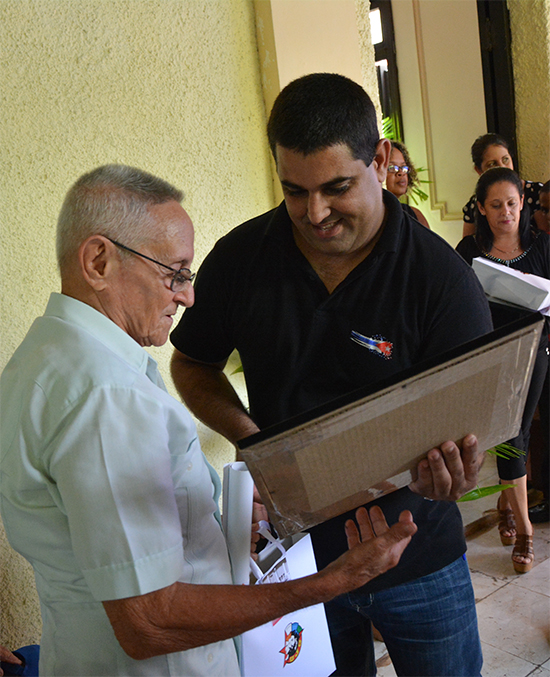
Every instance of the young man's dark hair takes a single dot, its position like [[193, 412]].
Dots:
[[321, 110]]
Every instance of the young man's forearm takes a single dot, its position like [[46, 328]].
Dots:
[[209, 395]]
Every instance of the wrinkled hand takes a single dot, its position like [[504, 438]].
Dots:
[[8, 657], [373, 547], [448, 472], [259, 513]]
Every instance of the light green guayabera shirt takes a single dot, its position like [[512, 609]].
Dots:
[[104, 489]]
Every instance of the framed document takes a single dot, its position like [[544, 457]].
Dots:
[[368, 443]]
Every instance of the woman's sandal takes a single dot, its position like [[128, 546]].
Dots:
[[506, 524], [523, 548]]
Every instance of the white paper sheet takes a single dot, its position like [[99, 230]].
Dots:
[[297, 644], [523, 289]]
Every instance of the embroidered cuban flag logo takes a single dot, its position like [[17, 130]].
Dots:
[[376, 344], [293, 642]]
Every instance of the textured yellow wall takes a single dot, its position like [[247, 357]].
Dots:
[[292, 42], [530, 27], [366, 49], [171, 86]]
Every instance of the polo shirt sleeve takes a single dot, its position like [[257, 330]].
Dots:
[[111, 476], [462, 312], [203, 332]]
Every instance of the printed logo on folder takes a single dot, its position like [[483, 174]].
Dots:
[[293, 642]]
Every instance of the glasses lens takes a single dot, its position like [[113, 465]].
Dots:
[[181, 279], [393, 169]]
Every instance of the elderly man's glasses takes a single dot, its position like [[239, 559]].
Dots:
[[180, 277], [394, 169]]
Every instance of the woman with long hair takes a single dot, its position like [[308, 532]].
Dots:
[[505, 235]]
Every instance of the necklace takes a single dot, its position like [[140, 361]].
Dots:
[[504, 252], [505, 262]]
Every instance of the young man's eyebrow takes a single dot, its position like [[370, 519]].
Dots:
[[328, 184]]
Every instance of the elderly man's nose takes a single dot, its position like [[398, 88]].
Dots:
[[186, 297]]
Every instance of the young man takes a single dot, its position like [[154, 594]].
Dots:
[[287, 290]]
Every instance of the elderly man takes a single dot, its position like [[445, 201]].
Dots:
[[104, 487], [335, 289]]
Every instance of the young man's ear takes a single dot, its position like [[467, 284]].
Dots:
[[97, 257], [381, 159]]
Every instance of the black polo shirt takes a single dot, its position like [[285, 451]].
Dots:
[[413, 297]]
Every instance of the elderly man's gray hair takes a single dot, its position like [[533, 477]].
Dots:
[[112, 200]]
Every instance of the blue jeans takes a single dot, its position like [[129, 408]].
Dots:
[[429, 626]]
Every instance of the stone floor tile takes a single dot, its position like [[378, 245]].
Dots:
[[540, 672], [515, 620], [487, 555], [500, 663], [485, 585], [537, 580]]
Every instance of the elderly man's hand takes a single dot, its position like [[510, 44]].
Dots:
[[374, 547], [447, 473], [7, 657]]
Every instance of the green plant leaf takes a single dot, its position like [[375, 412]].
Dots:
[[505, 450], [388, 129], [481, 492], [416, 192]]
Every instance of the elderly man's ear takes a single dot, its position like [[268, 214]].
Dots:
[[98, 261]]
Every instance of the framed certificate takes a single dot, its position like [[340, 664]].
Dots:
[[368, 443]]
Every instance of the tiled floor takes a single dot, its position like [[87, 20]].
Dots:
[[513, 609]]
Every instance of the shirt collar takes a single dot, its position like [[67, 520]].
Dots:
[[391, 235], [103, 329]]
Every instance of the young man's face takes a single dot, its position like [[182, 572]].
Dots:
[[334, 201]]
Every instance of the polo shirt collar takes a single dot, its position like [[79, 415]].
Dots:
[[103, 329]]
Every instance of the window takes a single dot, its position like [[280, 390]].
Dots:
[[386, 67]]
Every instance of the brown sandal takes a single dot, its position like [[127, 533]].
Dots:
[[506, 523], [523, 548]]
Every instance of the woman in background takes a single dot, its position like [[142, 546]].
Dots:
[[541, 218], [504, 235], [401, 176], [490, 151]]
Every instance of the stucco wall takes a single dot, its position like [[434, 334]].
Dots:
[[530, 26], [171, 86], [366, 49]]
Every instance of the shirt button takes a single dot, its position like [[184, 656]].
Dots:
[[210, 657]]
